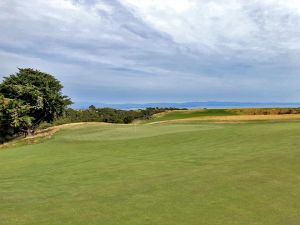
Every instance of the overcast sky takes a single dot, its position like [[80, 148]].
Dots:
[[117, 51]]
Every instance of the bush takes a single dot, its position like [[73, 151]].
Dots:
[[109, 115]]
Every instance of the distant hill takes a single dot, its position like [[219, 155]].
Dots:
[[191, 105]]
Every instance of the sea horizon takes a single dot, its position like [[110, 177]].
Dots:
[[189, 105]]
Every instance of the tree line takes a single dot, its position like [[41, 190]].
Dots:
[[109, 115]]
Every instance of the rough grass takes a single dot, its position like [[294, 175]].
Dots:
[[267, 111], [244, 118], [170, 174]]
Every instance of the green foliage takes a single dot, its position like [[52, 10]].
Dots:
[[30, 97], [13, 117], [109, 115]]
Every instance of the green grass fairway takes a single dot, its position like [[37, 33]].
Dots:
[[186, 114], [160, 174]]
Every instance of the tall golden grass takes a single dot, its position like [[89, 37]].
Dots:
[[261, 111], [245, 118]]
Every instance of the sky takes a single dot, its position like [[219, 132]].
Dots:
[[138, 51]]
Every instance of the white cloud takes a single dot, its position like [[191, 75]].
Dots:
[[269, 26]]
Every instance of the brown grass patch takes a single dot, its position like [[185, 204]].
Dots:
[[245, 118]]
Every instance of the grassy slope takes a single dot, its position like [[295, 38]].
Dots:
[[185, 114], [155, 174], [226, 115]]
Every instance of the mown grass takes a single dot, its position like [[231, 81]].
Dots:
[[186, 114], [170, 174], [227, 115]]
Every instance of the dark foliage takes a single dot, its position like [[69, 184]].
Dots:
[[109, 115], [27, 99]]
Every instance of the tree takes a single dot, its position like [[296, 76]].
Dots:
[[92, 108], [13, 117], [29, 98]]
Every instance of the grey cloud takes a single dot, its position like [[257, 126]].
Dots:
[[126, 51]]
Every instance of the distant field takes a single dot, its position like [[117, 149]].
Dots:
[[165, 174], [226, 115], [185, 114]]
